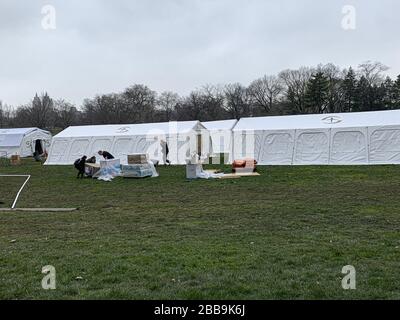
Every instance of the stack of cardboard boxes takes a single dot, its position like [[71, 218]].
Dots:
[[138, 167]]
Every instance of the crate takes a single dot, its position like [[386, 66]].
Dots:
[[137, 158], [91, 169], [137, 170], [15, 160]]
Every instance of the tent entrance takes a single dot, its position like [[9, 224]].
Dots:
[[199, 145], [39, 146]]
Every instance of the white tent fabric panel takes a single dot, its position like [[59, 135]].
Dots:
[[122, 147], [7, 152], [78, 148], [221, 141], [246, 144], [312, 147], [221, 137], [100, 143], [220, 125], [59, 151], [275, 147], [385, 145], [10, 140], [13, 137], [349, 146]]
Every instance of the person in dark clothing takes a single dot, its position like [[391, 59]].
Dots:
[[106, 155], [91, 160], [80, 166], [165, 152]]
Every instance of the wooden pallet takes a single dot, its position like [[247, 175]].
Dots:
[[239, 175]]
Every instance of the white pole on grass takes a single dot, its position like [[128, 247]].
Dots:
[[20, 190]]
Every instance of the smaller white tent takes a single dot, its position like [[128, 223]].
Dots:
[[221, 137], [23, 141], [183, 138]]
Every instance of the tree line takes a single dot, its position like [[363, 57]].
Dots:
[[322, 89]]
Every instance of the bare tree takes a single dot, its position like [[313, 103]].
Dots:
[[66, 114], [373, 72], [140, 103], [212, 99], [4, 116], [296, 86], [39, 113], [237, 100], [265, 92], [168, 102], [191, 107], [103, 109]]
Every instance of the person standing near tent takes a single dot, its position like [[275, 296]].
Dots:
[[79, 164], [165, 152], [106, 155]]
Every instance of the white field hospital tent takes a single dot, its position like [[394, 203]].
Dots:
[[323, 139], [183, 138], [23, 141], [221, 137]]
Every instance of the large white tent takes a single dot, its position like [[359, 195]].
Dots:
[[23, 141], [323, 139], [221, 137], [183, 138]]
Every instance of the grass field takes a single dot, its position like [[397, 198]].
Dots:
[[284, 235]]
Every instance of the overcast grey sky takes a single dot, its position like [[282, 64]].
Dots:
[[103, 46]]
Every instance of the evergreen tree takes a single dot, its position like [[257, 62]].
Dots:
[[396, 94], [387, 92], [317, 93], [349, 87], [378, 97], [362, 101]]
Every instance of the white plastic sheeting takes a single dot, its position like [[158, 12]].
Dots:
[[109, 169], [122, 140], [326, 139], [21, 141]]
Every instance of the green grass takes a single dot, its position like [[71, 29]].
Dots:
[[284, 235]]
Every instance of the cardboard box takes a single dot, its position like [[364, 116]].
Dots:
[[137, 170], [15, 160], [192, 170], [137, 159], [91, 169]]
